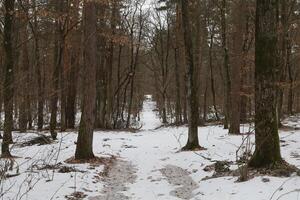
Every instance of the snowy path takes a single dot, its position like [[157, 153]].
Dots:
[[149, 118], [149, 166], [120, 174], [153, 179]]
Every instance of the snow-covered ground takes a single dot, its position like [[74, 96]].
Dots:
[[148, 166]]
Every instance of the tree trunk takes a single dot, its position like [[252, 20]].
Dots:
[[193, 142], [64, 70], [117, 115], [237, 63], [25, 102], [58, 54], [74, 54], [110, 65], [291, 79], [8, 91], [244, 100], [135, 50], [101, 71], [282, 35], [63, 100], [72, 91], [178, 62], [212, 80], [84, 147], [267, 74], [38, 71], [227, 83], [204, 118], [178, 118]]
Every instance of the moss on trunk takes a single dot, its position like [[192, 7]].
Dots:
[[267, 70]]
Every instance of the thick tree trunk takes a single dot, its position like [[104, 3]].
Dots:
[[267, 74], [8, 91], [25, 102], [73, 52], [84, 147], [237, 63], [110, 65], [193, 142], [227, 83]]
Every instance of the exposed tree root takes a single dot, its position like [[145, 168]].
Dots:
[[192, 147], [93, 161]]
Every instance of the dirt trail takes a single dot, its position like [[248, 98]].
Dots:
[[119, 176], [180, 177]]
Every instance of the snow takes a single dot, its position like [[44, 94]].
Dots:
[[149, 118], [152, 166]]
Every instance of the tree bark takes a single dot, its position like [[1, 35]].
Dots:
[[227, 83], [193, 142], [178, 115], [73, 51], [8, 91], [24, 93], [58, 54], [237, 63], [212, 79], [84, 147], [38, 71], [110, 65], [291, 80], [267, 74]]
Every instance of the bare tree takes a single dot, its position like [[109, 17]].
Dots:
[[9, 6], [193, 142], [237, 63], [267, 71], [84, 147], [24, 110]]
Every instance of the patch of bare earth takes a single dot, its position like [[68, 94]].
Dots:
[[180, 177], [96, 161], [116, 178], [244, 173]]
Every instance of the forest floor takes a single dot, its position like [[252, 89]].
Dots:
[[146, 165]]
